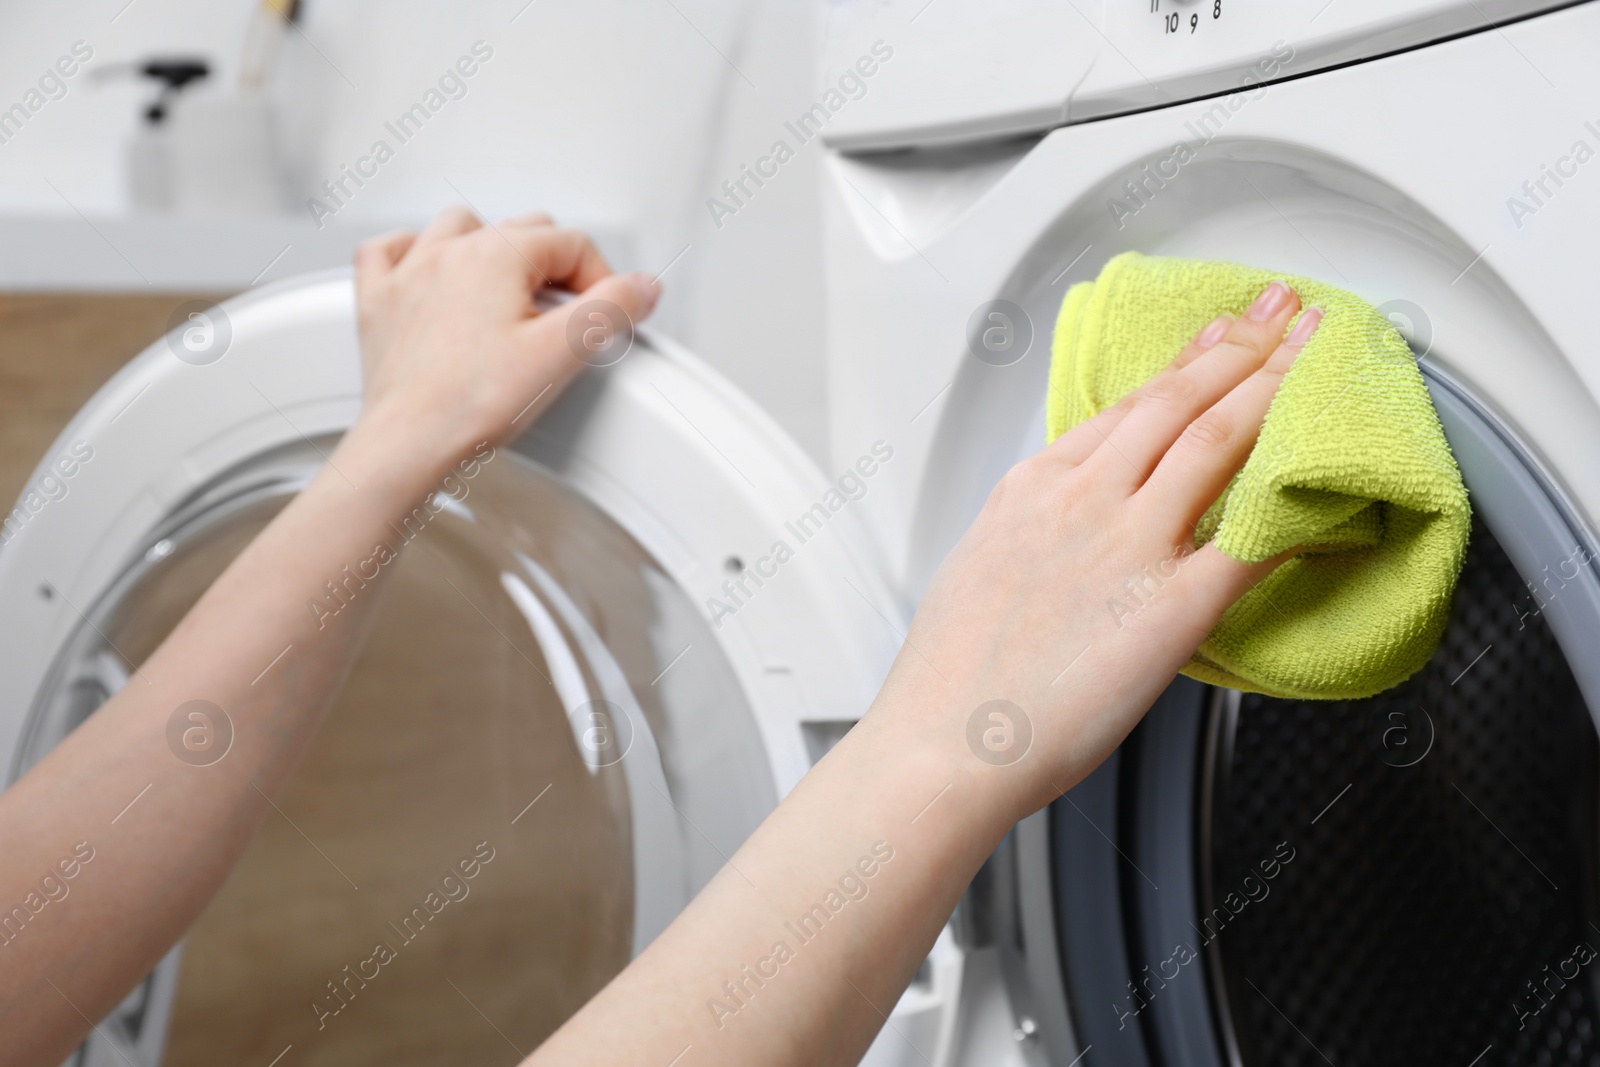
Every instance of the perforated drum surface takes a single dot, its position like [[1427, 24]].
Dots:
[[1437, 909]]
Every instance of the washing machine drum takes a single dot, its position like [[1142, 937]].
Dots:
[[1401, 880], [1438, 905]]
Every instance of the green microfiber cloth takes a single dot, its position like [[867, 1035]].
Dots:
[[1351, 466]]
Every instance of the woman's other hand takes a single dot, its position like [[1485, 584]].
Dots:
[[1078, 594], [454, 351]]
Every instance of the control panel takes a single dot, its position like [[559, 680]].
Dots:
[[1172, 22], [961, 72]]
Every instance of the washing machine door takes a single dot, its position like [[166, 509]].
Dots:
[[594, 672]]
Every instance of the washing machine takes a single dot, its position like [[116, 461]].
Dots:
[[1406, 879], [1246, 881]]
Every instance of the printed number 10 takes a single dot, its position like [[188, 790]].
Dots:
[[1173, 21]]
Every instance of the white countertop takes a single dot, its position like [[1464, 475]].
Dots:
[[143, 253], [187, 254]]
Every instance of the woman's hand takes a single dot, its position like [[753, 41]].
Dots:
[[1075, 597], [1077, 594], [454, 351]]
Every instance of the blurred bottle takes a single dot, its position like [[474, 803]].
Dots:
[[211, 153]]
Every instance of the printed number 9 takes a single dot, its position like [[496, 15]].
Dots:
[[1194, 21]]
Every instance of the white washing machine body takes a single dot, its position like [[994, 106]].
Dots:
[[1005, 177], [1433, 157]]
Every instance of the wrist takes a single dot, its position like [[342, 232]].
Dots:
[[397, 456], [920, 743]]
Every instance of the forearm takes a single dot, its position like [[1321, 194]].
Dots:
[[802, 944], [165, 831]]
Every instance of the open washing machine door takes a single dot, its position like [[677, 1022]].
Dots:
[[1252, 881], [653, 564]]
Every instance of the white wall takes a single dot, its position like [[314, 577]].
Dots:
[[618, 115]]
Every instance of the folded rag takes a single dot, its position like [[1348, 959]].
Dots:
[[1351, 466]]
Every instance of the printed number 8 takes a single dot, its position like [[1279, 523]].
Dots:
[[1216, 9]]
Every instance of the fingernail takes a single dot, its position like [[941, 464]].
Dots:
[[1214, 331], [1310, 318], [648, 288], [1273, 299]]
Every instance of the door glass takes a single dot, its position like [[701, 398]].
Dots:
[[539, 756]]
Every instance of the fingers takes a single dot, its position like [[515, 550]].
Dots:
[[565, 258], [1198, 466], [1213, 581], [562, 258], [1204, 341], [586, 327], [451, 222], [636, 294], [377, 257], [1145, 434], [1078, 443], [611, 306], [385, 250]]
